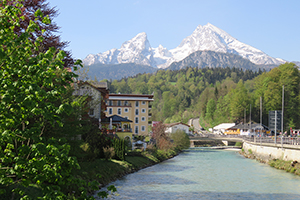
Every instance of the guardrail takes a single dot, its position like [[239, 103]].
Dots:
[[269, 139]]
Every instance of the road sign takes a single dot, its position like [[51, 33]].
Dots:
[[272, 119]]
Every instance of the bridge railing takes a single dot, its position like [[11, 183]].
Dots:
[[279, 140], [271, 140]]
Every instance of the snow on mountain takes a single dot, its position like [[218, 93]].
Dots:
[[161, 55], [137, 50], [209, 37]]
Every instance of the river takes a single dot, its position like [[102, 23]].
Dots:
[[203, 173]]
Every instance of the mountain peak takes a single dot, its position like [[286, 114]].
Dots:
[[212, 38], [204, 38]]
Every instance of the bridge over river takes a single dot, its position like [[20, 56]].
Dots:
[[230, 140], [214, 140]]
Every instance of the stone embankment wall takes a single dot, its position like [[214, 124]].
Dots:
[[268, 152]]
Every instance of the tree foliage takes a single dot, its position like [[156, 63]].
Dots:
[[32, 84], [180, 139], [47, 30]]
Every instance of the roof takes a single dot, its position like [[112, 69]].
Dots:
[[116, 118], [99, 85], [134, 97], [253, 125], [174, 124], [224, 126]]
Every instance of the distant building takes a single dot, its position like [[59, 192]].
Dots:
[[134, 107], [248, 129], [173, 127], [220, 129]]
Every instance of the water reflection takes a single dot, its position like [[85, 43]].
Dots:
[[202, 173]]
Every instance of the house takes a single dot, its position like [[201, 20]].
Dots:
[[135, 107], [97, 94], [220, 129], [173, 127], [248, 129]]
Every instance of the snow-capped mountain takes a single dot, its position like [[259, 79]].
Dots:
[[137, 50], [209, 37]]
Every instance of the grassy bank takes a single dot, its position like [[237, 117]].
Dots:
[[106, 171], [289, 166]]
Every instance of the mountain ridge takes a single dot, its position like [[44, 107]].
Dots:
[[208, 37], [212, 59]]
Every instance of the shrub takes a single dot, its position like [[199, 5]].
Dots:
[[119, 146], [293, 170], [97, 141], [151, 148], [238, 144], [109, 152], [181, 139], [250, 151], [162, 139]]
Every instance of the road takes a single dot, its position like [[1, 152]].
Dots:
[[195, 124]]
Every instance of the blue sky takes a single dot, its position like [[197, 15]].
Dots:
[[95, 26]]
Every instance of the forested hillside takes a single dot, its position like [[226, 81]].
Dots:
[[217, 95], [179, 94]]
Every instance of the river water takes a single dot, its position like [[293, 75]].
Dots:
[[203, 173]]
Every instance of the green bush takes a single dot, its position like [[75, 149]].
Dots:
[[180, 139], [238, 144], [250, 151], [119, 147]]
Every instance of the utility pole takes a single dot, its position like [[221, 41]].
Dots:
[[250, 119], [275, 125], [282, 110], [260, 116], [245, 117]]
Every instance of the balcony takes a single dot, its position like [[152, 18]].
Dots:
[[116, 104]]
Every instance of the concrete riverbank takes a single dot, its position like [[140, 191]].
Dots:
[[268, 152]]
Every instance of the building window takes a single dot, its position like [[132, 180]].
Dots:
[[143, 110], [136, 120], [91, 111], [143, 119], [126, 103], [119, 111], [119, 103], [136, 130], [136, 111], [110, 111], [143, 128], [136, 104], [143, 102], [126, 110], [110, 103]]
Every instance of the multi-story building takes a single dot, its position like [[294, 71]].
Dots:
[[97, 95], [133, 107]]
